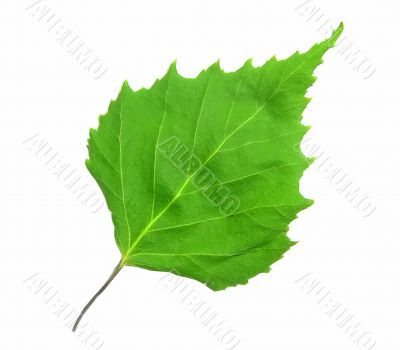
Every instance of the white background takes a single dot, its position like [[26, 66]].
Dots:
[[46, 230]]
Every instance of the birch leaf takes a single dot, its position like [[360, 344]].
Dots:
[[201, 176]]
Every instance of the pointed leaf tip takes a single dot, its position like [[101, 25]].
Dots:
[[336, 34]]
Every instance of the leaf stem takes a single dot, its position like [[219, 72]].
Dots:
[[115, 272]]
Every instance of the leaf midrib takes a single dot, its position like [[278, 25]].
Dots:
[[186, 182]]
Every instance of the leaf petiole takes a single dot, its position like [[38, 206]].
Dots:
[[115, 272]]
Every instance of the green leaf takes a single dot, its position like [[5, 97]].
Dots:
[[202, 175]]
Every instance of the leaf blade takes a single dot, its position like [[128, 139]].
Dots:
[[242, 127]]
